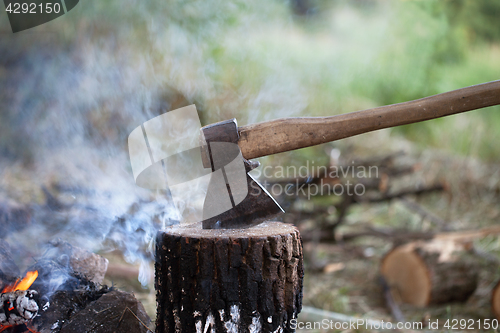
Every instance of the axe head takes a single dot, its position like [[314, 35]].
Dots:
[[242, 199]]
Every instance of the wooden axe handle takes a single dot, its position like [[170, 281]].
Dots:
[[280, 135]]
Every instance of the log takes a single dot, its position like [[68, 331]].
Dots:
[[433, 272], [116, 311], [17, 307], [85, 264], [495, 300], [228, 280]]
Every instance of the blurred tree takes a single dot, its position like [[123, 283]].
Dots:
[[481, 18]]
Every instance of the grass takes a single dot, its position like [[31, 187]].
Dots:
[[473, 134]]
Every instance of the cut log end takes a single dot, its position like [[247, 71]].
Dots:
[[237, 280], [266, 229], [408, 276], [495, 301], [434, 272]]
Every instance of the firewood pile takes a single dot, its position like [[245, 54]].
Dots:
[[434, 262], [381, 179]]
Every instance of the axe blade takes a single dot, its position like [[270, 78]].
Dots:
[[248, 203], [258, 206]]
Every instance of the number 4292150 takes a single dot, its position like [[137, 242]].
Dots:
[[454, 324], [33, 8]]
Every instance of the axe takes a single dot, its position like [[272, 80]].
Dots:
[[280, 135]]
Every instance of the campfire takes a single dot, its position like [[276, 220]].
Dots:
[[18, 303], [63, 291]]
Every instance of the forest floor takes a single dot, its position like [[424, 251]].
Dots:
[[343, 277]]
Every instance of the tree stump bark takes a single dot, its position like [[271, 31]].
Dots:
[[435, 272], [228, 280]]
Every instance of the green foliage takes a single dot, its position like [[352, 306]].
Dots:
[[258, 60], [354, 55], [479, 18]]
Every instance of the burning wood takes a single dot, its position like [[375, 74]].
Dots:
[[22, 284], [62, 293], [18, 305]]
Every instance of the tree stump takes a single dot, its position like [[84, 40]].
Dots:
[[228, 280], [435, 272]]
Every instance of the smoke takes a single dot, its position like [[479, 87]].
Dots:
[[72, 90], [67, 113]]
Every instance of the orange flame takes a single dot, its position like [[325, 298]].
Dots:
[[22, 284]]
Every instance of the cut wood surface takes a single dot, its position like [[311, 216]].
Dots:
[[433, 272], [495, 301], [437, 270], [228, 280]]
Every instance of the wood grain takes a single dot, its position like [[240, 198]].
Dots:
[[434, 272], [280, 135]]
